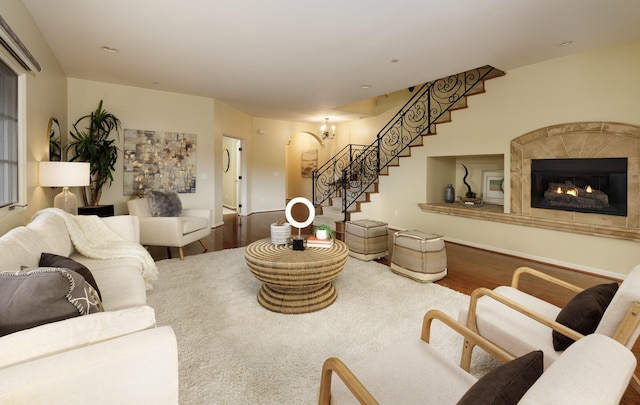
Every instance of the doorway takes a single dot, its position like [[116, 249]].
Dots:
[[231, 175]]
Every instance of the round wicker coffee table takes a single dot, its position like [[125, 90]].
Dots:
[[295, 281]]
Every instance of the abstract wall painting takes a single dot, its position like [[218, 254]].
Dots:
[[159, 161]]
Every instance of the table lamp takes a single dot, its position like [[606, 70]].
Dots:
[[65, 175]]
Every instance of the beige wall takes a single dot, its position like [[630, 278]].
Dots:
[[268, 156], [229, 121], [158, 111], [601, 85], [46, 95]]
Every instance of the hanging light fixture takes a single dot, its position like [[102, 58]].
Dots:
[[327, 132]]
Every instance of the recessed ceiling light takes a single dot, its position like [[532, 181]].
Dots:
[[109, 49], [365, 86], [565, 43]]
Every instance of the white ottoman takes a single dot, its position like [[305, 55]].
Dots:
[[367, 239], [419, 256]]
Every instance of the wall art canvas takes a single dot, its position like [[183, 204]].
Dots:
[[160, 161], [309, 162], [493, 187]]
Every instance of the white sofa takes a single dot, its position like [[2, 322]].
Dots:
[[115, 356]]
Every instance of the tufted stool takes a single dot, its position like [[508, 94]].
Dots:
[[367, 239], [419, 256]]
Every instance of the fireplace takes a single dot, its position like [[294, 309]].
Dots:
[[580, 185]]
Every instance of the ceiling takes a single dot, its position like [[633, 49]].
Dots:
[[299, 60]]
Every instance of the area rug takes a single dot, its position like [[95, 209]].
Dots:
[[233, 351]]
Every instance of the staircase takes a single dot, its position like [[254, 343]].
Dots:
[[346, 180]]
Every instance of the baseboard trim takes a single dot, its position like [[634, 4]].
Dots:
[[546, 260]]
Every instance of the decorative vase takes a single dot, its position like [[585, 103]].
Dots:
[[449, 194], [322, 234]]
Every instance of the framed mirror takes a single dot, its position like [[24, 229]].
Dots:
[[55, 140]]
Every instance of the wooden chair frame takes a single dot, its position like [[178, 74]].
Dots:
[[622, 333], [360, 392]]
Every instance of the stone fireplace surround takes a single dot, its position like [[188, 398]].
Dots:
[[570, 140]]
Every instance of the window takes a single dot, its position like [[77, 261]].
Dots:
[[9, 139]]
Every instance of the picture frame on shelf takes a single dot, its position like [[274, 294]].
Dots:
[[493, 187]]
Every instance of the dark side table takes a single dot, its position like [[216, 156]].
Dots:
[[100, 210]]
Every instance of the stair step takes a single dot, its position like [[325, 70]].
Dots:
[[445, 117], [459, 105], [477, 89]]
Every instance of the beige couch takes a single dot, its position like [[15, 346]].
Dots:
[[115, 356]]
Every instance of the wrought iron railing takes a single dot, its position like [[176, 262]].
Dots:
[[353, 170], [328, 179]]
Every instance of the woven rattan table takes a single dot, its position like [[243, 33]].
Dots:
[[296, 281]]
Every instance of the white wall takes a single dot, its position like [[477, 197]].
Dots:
[[144, 109], [46, 95], [601, 85]]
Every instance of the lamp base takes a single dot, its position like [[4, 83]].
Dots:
[[66, 201], [298, 244]]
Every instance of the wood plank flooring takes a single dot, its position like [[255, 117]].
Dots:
[[468, 268]]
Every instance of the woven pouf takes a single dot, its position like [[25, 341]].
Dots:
[[419, 256], [367, 239]]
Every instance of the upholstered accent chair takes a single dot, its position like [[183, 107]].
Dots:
[[519, 322], [595, 370], [163, 221]]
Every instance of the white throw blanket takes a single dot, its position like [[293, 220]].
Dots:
[[94, 239]]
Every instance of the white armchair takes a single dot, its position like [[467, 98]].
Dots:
[[171, 231], [595, 370], [519, 322]]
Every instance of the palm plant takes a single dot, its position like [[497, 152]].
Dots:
[[92, 144]]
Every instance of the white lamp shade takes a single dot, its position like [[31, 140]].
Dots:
[[64, 174]]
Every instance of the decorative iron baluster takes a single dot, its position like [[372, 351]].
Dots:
[[359, 167]]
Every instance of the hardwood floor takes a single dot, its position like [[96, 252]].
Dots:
[[468, 268]]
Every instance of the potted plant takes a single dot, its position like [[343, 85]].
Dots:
[[92, 144], [323, 232]]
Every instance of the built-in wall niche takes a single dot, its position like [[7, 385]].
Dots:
[[443, 170]]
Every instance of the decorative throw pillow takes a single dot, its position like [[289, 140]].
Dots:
[[164, 203], [51, 260], [43, 295], [583, 312], [507, 383]]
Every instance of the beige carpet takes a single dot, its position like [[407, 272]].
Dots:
[[233, 351]]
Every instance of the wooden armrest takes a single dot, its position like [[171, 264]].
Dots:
[[335, 365], [543, 276], [471, 337], [360, 392], [472, 321]]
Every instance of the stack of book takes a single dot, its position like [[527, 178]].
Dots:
[[312, 241]]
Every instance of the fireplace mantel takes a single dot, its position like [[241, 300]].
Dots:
[[571, 140]]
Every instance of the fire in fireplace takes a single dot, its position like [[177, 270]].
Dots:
[[581, 185]]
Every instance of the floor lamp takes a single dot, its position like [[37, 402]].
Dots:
[[65, 175]]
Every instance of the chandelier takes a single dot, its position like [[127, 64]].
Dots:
[[327, 132]]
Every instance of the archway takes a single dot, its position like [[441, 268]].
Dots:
[[305, 152]]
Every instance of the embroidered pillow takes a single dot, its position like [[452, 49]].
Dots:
[[43, 295], [51, 260], [164, 203]]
